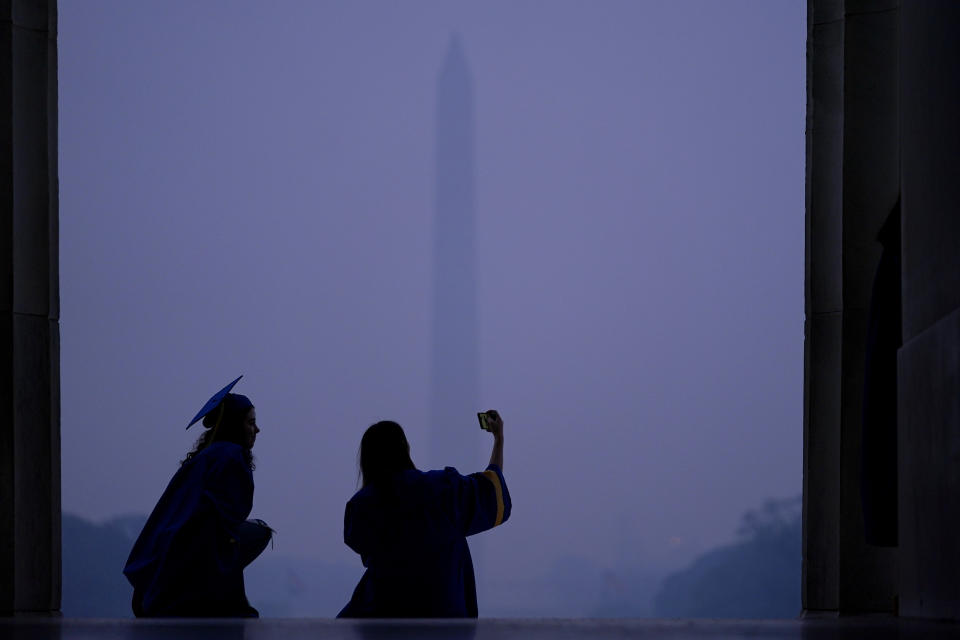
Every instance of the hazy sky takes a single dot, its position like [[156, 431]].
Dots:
[[247, 187]]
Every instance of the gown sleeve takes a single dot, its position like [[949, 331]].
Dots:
[[229, 489], [481, 501], [356, 531]]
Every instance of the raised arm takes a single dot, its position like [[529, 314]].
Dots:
[[496, 428], [481, 500]]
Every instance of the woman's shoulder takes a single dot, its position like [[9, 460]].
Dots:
[[442, 479], [404, 481], [222, 447], [363, 493], [443, 475], [221, 451]]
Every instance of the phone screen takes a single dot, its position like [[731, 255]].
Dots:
[[482, 418]]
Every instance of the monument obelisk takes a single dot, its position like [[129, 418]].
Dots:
[[454, 432]]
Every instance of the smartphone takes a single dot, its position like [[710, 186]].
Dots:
[[482, 418]]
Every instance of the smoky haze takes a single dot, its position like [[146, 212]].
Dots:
[[256, 188]]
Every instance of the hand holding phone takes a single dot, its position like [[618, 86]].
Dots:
[[490, 421]]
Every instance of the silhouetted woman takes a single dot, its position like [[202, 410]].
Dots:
[[410, 528], [190, 556]]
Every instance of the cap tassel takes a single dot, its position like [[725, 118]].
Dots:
[[213, 435]]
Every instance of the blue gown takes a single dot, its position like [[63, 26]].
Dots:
[[411, 537], [186, 561]]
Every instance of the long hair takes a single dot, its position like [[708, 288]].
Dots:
[[384, 452], [225, 424]]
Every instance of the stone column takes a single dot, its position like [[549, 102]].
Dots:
[[29, 309], [823, 307], [852, 185], [929, 361], [871, 188]]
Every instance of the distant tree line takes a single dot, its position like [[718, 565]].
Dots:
[[756, 577], [93, 559]]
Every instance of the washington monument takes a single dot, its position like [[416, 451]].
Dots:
[[454, 432]]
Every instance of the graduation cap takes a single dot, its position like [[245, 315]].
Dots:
[[213, 402]]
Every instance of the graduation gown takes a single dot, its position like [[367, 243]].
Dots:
[[411, 537], [186, 561]]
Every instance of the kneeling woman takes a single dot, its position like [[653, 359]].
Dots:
[[190, 556], [410, 528]]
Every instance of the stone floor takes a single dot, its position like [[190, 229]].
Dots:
[[835, 628]]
